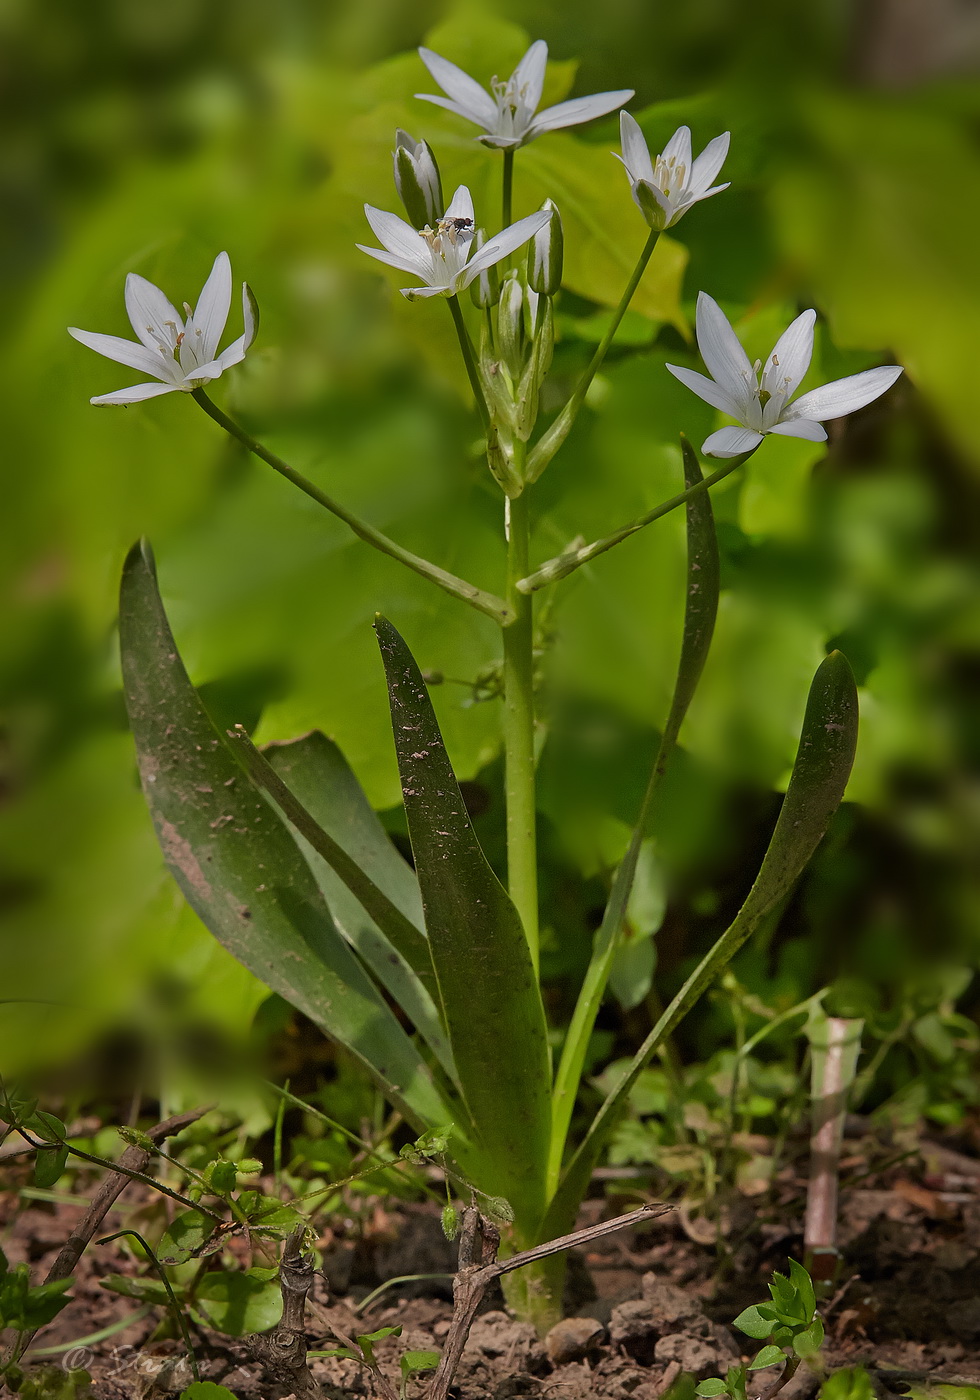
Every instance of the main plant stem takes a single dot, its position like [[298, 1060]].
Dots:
[[522, 858]]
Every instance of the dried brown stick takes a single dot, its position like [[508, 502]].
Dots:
[[474, 1278], [133, 1162]]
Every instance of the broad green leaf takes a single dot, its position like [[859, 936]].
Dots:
[[701, 606], [490, 998], [768, 1356], [710, 1388], [853, 1383], [803, 1283], [147, 1290], [413, 1361], [185, 1236], [371, 891], [786, 1299], [238, 865], [239, 1303], [823, 763], [366, 1341], [753, 1324], [207, 1390], [810, 1340]]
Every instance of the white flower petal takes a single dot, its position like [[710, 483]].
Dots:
[[501, 143], [152, 316], [135, 394], [706, 389], [709, 162], [417, 293], [127, 352], [529, 75], [393, 260], [579, 109], [843, 395], [475, 103], [449, 105], [504, 244], [678, 148], [461, 205], [792, 354], [397, 236], [730, 442], [211, 312], [723, 355], [801, 428], [636, 153]]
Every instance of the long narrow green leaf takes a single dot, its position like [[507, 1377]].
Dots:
[[490, 995], [237, 863], [700, 610], [331, 804], [823, 765]]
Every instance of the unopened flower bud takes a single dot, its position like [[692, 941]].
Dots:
[[485, 287], [417, 180], [544, 257], [510, 325]]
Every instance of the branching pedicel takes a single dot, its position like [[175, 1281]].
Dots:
[[291, 871]]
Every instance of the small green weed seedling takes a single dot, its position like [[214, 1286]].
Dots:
[[789, 1325]]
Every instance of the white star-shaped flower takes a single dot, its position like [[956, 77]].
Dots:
[[180, 353], [440, 256], [509, 112], [664, 190], [761, 398]]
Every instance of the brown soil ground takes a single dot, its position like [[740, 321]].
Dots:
[[644, 1305]]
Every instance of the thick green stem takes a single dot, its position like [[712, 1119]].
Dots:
[[549, 444], [469, 360], [476, 597], [507, 200], [522, 868]]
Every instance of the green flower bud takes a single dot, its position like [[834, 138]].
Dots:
[[450, 1222], [510, 325], [485, 287], [417, 180], [545, 253]]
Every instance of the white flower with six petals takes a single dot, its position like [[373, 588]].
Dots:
[[664, 190], [509, 113], [440, 256], [761, 399], [181, 353]]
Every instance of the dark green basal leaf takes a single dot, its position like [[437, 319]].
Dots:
[[490, 998], [823, 765], [382, 923], [237, 863], [700, 611]]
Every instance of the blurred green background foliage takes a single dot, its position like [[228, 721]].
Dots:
[[141, 137]]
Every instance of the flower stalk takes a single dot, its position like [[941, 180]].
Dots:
[[552, 440], [484, 602]]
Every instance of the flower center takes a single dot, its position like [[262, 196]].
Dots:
[[669, 175], [511, 100], [449, 242]]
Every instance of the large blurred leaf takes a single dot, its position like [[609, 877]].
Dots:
[[238, 865], [823, 763], [490, 998]]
